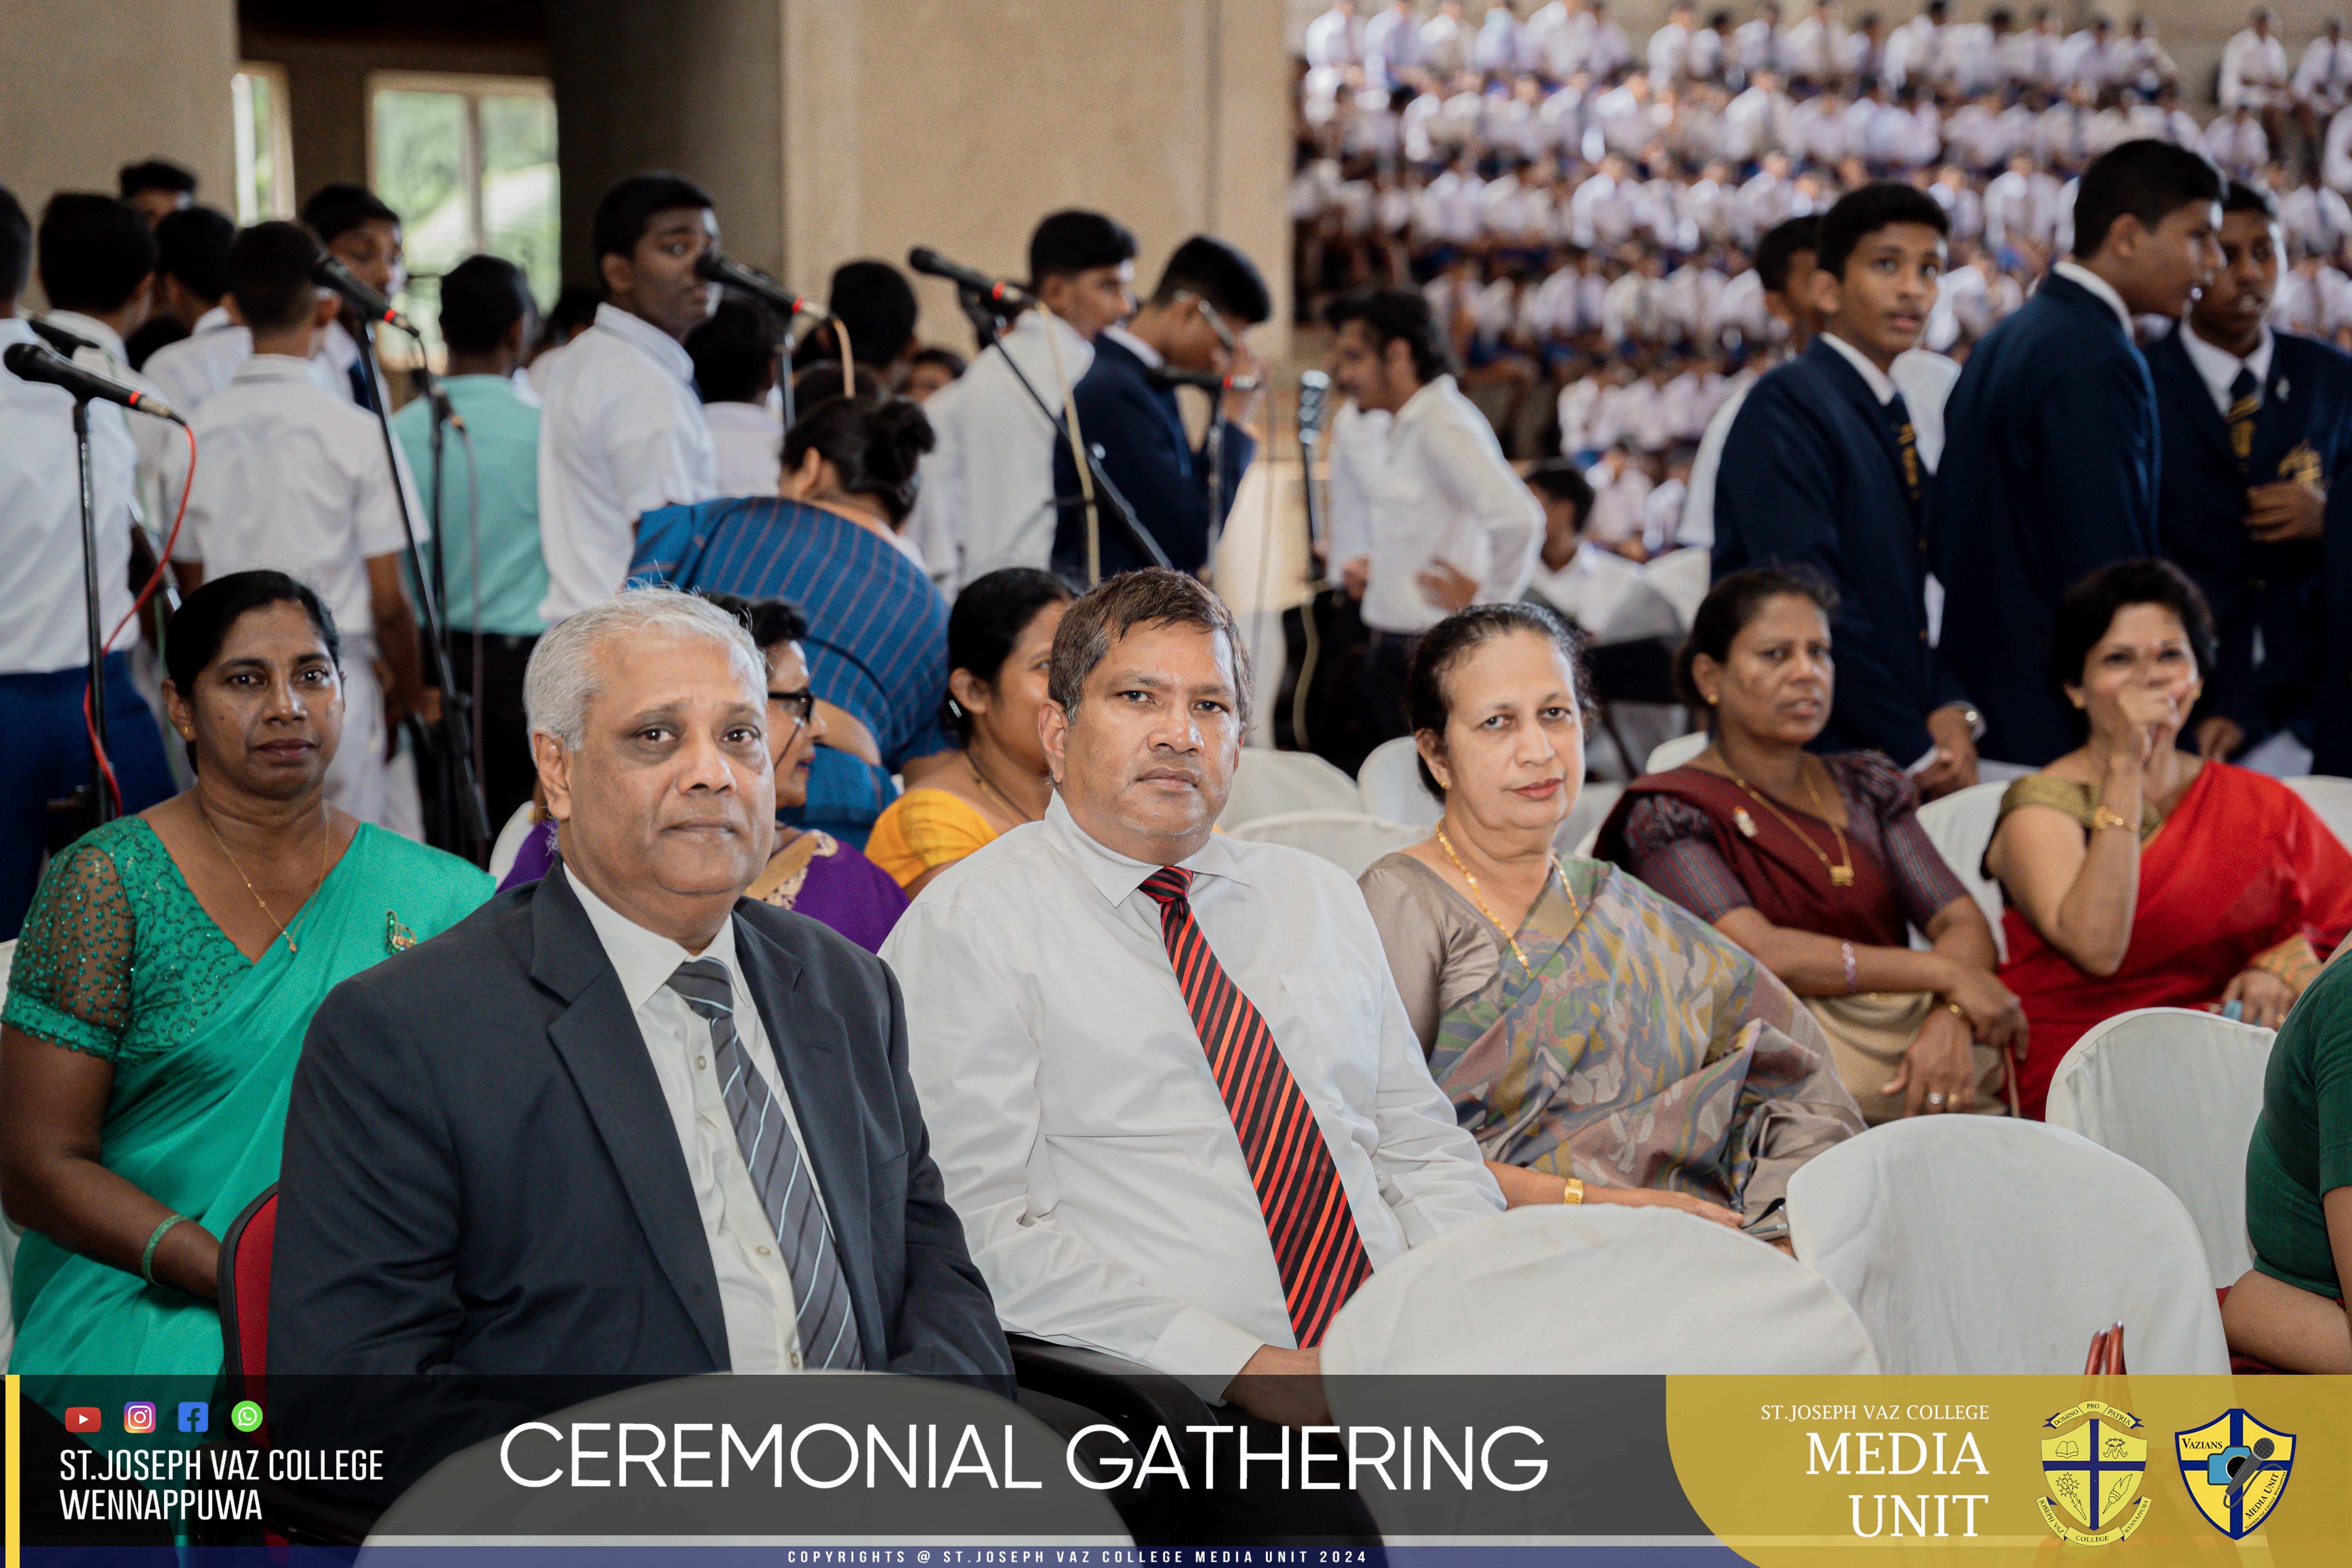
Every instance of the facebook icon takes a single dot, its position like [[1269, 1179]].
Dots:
[[194, 1417]]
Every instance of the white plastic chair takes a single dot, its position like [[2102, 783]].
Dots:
[[1349, 839], [1390, 784], [1683, 577], [1576, 836], [2176, 1092], [511, 838], [1641, 1289], [2331, 797], [1268, 783], [1674, 753], [1960, 826], [1985, 1244]]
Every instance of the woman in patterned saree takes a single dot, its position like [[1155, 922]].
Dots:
[[1601, 1043], [165, 976]]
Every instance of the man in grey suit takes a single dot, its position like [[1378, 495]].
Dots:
[[620, 1123]]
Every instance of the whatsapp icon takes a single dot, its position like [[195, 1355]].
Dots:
[[245, 1415]]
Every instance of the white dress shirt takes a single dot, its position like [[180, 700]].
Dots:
[[2218, 368], [622, 434], [755, 1282], [190, 371], [1442, 491], [747, 440], [1074, 1117], [1589, 588], [987, 494], [2254, 70], [44, 622], [152, 437]]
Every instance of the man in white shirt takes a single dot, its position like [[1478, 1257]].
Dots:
[[2253, 65], [96, 263], [44, 625], [1392, 42], [1755, 45], [734, 355], [1669, 51], [987, 499], [1335, 37], [2322, 80], [623, 431], [1451, 524], [1809, 48], [1574, 576], [1915, 50], [295, 480], [1114, 1017], [363, 234]]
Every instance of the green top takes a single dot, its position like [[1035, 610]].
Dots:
[[505, 436], [2302, 1147], [119, 960]]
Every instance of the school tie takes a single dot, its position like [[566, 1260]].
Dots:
[[1907, 446], [362, 390], [2245, 402], [787, 1191], [1316, 1248]]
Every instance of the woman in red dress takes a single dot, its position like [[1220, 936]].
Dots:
[[2139, 875]]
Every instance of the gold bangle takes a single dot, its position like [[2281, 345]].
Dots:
[[2102, 819], [1957, 1011], [1573, 1193]]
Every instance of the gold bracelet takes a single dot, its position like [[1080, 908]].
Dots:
[[1573, 1193], [2102, 819], [1957, 1011]]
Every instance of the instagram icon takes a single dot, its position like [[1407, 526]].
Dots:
[[138, 1416]]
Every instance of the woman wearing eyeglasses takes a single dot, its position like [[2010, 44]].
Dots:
[[810, 872]]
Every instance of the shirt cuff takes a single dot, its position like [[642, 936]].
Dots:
[[1204, 1352]]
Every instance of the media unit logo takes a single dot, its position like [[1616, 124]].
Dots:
[[2093, 1464], [2235, 1469]]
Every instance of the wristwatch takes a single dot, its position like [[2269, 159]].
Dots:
[[1975, 719]]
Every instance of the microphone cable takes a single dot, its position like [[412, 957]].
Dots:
[[155, 580], [1077, 449]]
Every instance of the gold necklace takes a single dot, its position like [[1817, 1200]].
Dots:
[[989, 785], [1480, 898], [324, 835], [1841, 874]]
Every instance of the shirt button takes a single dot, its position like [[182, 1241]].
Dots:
[[701, 1064], [766, 1252], [796, 1361]]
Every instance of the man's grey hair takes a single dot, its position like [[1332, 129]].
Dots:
[[561, 679]]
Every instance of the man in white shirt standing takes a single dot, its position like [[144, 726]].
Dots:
[[44, 626], [623, 431], [2254, 70], [97, 263], [1451, 524], [734, 355], [294, 478], [987, 497], [1170, 1082]]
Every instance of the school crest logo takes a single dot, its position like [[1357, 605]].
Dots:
[[2235, 1469], [2093, 1463]]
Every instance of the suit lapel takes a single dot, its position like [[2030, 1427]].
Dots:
[[2176, 378], [812, 1052], [2280, 416], [602, 1047], [1849, 383], [1161, 398]]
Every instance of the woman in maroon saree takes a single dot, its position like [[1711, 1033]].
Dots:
[[2137, 875], [1817, 864]]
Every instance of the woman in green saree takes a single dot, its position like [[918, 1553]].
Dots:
[[163, 982], [1601, 1043]]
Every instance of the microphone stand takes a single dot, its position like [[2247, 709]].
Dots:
[[103, 798], [990, 324], [474, 812]]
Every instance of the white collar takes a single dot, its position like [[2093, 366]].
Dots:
[[1114, 875], [212, 320], [2219, 367], [665, 350], [2083, 277], [645, 960], [1881, 384], [108, 341], [17, 330], [337, 347], [273, 367], [1150, 356], [1431, 395]]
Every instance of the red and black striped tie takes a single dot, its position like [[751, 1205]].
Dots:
[[1316, 1246]]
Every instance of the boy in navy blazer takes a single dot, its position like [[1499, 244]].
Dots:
[[2050, 468], [1823, 470], [1209, 295], [2256, 424]]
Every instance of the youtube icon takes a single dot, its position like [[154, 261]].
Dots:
[[84, 1418]]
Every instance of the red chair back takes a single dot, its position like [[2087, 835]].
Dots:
[[245, 1296]]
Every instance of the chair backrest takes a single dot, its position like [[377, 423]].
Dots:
[[1649, 1286], [1594, 802], [1643, 610], [508, 847], [1674, 753], [245, 1295], [1349, 839], [1960, 826], [2332, 798], [1390, 784], [2176, 1092], [1985, 1244], [1267, 783], [7, 961], [1684, 577]]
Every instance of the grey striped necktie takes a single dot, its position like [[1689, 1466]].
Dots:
[[828, 1331]]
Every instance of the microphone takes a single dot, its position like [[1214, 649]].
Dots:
[[996, 291], [65, 342], [1207, 381], [716, 267], [1314, 394], [329, 272], [34, 362]]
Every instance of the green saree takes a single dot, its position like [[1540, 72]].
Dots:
[[119, 960]]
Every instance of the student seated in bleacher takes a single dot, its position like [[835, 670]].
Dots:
[[1818, 865], [1596, 1038], [2138, 874]]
